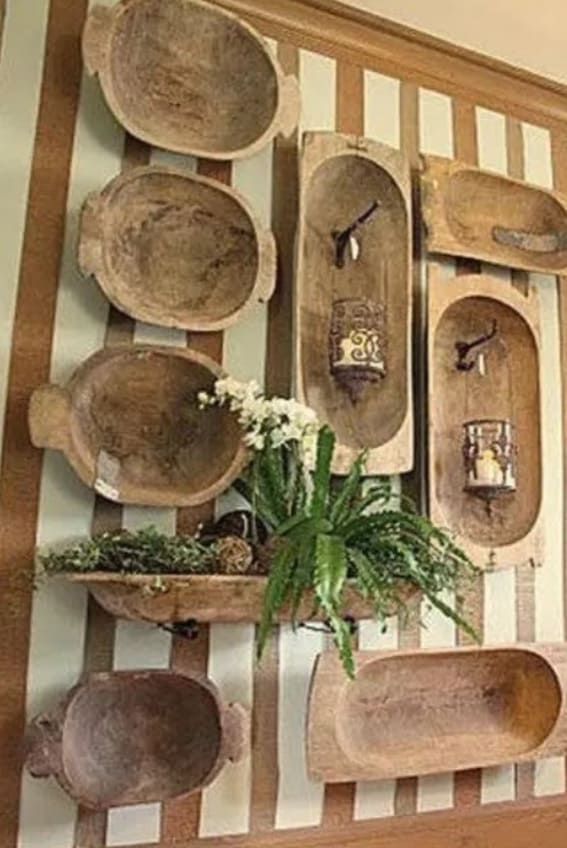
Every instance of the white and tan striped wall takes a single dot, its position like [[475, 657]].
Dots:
[[57, 143]]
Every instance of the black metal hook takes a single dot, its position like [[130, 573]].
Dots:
[[464, 348], [342, 237], [326, 627], [186, 629]]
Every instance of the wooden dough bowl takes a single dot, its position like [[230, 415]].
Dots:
[[425, 712], [341, 177], [129, 423], [166, 599], [173, 248], [463, 309], [189, 77], [135, 737], [493, 218]]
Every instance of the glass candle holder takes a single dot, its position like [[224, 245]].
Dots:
[[489, 453], [357, 344]]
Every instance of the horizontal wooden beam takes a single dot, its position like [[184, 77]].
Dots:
[[372, 42], [541, 822]]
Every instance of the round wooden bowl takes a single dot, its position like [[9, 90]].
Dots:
[[172, 248], [129, 423], [136, 737], [189, 77]]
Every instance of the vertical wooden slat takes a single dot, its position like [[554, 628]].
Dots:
[[277, 379], [2, 19], [339, 799], [559, 162], [180, 818], [413, 484], [90, 829], [468, 783], [525, 578], [20, 469]]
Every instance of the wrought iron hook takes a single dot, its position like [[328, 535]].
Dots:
[[464, 348], [342, 237]]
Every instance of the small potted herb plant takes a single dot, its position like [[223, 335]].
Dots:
[[311, 534]]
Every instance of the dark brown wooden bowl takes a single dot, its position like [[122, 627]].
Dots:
[[190, 77], [173, 248], [129, 423], [136, 737]]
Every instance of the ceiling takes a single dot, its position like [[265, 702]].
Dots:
[[531, 34]]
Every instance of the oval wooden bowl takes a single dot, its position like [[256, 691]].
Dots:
[[166, 599], [173, 248], [341, 176], [129, 423], [509, 388], [487, 216], [189, 77], [423, 712], [136, 737]]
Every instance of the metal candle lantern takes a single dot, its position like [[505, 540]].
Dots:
[[489, 454], [357, 344]]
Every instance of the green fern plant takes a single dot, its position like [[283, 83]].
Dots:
[[334, 532]]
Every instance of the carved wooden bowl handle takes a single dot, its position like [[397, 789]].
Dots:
[[90, 235], [268, 267], [43, 746], [49, 414], [96, 35], [237, 730]]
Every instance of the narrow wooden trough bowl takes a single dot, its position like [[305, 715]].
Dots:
[[166, 599], [176, 249], [341, 177], [189, 77], [135, 737], [423, 712], [487, 216], [511, 532], [129, 423]]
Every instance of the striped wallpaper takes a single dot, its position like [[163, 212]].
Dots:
[[58, 142]]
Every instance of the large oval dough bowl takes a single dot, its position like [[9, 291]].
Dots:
[[130, 424], [176, 249], [189, 77], [136, 737], [422, 712]]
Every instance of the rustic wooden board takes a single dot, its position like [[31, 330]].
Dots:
[[461, 309], [341, 176], [474, 213]]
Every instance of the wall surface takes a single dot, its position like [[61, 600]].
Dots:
[[57, 143], [529, 35]]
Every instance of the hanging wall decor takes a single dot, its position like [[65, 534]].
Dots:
[[173, 248], [353, 304], [485, 460], [190, 77], [130, 424], [424, 712], [487, 216], [136, 737]]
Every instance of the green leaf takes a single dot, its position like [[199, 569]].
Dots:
[[276, 592], [349, 489], [330, 569], [322, 473]]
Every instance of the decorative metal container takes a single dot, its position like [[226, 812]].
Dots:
[[357, 344], [489, 453]]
